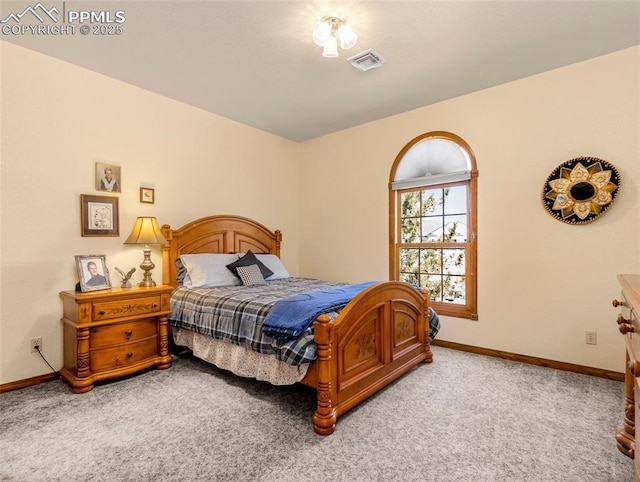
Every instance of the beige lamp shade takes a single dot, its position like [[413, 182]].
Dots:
[[146, 231]]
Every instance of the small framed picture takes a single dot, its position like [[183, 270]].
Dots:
[[107, 177], [92, 272], [147, 195], [99, 215]]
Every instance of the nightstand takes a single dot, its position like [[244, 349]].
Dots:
[[112, 333]]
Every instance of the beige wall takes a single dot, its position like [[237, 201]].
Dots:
[[541, 283], [57, 121]]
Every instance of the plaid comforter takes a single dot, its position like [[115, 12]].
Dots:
[[236, 314]]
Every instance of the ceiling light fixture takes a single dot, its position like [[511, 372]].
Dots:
[[331, 31]]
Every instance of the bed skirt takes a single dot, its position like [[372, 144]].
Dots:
[[239, 360]]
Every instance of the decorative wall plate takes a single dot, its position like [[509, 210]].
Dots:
[[580, 190]]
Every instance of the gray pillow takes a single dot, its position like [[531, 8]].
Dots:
[[250, 275]]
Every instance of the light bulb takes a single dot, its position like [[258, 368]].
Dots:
[[348, 37], [330, 47], [321, 33]]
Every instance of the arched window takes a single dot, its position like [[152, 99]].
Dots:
[[433, 221]]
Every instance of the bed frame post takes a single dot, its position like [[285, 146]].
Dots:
[[324, 418], [167, 232], [427, 329], [278, 237]]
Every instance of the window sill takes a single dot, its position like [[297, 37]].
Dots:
[[455, 311]]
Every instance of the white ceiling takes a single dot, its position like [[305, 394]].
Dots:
[[255, 62]]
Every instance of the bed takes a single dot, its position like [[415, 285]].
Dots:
[[378, 336]]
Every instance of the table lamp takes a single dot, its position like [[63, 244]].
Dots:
[[146, 231]]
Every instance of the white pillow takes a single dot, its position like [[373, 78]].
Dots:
[[209, 270], [274, 263]]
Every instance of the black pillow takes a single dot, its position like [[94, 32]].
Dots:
[[247, 260]]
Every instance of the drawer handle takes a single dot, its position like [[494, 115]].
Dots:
[[155, 305], [625, 328], [128, 333], [621, 319], [129, 355], [617, 303], [102, 312]]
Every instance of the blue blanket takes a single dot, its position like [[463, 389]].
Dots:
[[289, 317]]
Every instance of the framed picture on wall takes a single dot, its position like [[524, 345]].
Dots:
[[108, 177], [147, 195], [92, 272], [99, 215]]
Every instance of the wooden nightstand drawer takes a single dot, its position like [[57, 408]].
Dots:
[[123, 308], [123, 355], [107, 335]]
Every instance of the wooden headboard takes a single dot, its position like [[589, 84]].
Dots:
[[215, 234]]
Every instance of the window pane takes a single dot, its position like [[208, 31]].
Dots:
[[431, 261], [453, 260], [454, 289], [434, 285], [432, 229], [411, 230], [455, 229], [409, 260], [455, 200], [410, 204], [410, 278], [432, 202]]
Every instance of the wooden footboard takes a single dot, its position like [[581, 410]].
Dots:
[[379, 336]]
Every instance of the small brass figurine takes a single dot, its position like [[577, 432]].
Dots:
[[125, 282]]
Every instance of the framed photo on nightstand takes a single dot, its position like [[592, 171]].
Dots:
[[92, 272]]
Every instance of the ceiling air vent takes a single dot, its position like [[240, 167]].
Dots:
[[367, 60]]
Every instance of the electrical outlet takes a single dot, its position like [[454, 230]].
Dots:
[[35, 344], [591, 337]]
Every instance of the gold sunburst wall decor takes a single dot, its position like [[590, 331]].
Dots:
[[580, 190]]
